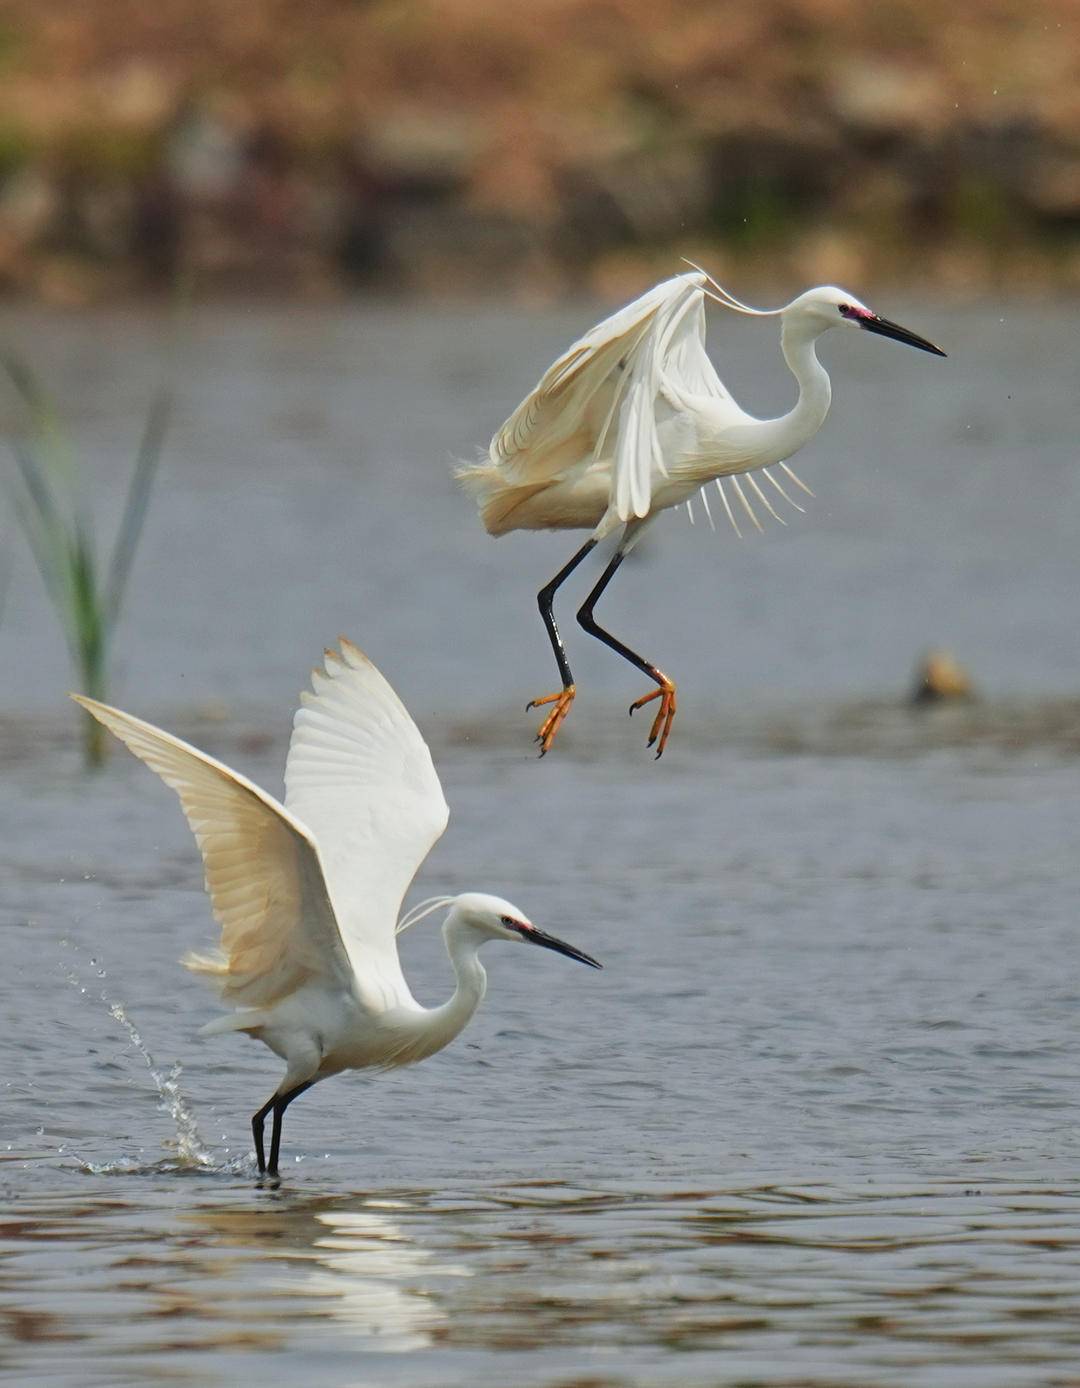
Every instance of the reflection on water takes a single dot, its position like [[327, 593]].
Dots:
[[377, 1282], [888, 1284]]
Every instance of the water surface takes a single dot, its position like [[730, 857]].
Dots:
[[816, 1121]]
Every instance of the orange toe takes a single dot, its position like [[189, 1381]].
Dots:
[[548, 729], [665, 716]]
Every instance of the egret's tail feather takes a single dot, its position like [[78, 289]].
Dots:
[[247, 1019], [236, 986], [496, 498], [214, 966]]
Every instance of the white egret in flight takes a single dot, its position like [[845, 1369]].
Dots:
[[307, 893], [632, 419]]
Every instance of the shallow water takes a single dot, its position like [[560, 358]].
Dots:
[[816, 1121]]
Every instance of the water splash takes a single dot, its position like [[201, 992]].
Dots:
[[189, 1152], [188, 1146]]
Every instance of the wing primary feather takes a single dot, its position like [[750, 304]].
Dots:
[[797, 480], [752, 480], [727, 507], [746, 505], [360, 776], [802, 509], [620, 391], [262, 867]]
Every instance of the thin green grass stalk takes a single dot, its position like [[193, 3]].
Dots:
[[46, 499]]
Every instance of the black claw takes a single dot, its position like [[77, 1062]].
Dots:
[[630, 711], [530, 705]]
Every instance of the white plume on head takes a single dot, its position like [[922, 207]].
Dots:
[[727, 299], [420, 910]]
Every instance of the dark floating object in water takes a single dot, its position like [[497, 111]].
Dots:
[[938, 678]]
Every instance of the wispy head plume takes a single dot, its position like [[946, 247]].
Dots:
[[419, 911], [720, 295]]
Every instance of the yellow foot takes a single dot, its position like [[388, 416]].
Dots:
[[553, 722], [665, 716]]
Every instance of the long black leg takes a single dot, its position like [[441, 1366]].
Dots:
[[665, 692], [280, 1103], [565, 697], [257, 1122], [545, 601]]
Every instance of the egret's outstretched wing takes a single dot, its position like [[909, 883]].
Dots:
[[263, 872], [686, 360], [360, 776], [672, 344], [605, 391]]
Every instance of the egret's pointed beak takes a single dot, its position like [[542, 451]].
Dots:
[[540, 937], [884, 328]]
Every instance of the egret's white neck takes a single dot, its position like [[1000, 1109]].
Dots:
[[462, 943], [797, 342], [759, 442]]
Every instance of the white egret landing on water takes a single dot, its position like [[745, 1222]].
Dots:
[[633, 419], [307, 893]]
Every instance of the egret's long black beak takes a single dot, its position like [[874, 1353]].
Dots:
[[540, 937], [884, 328]]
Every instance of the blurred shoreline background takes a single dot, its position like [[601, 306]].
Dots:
[[566, 146]]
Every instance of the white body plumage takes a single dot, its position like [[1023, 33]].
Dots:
[[633, 417], [307, 892]]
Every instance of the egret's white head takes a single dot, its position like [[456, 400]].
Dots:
[[830, 307], [495, 919], [818, 310]]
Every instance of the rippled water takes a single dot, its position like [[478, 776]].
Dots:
[[816, 1121]]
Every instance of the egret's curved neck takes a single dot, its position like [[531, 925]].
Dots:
[[759, 442], [797, 342], [462, 944]]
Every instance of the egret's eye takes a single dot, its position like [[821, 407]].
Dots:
[[845, 308], [507, 921]]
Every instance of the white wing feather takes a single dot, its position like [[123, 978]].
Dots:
[[688, 361], [607, 388], [360, 775], [263, 873]]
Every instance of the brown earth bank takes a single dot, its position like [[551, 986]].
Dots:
[[467, 145]]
